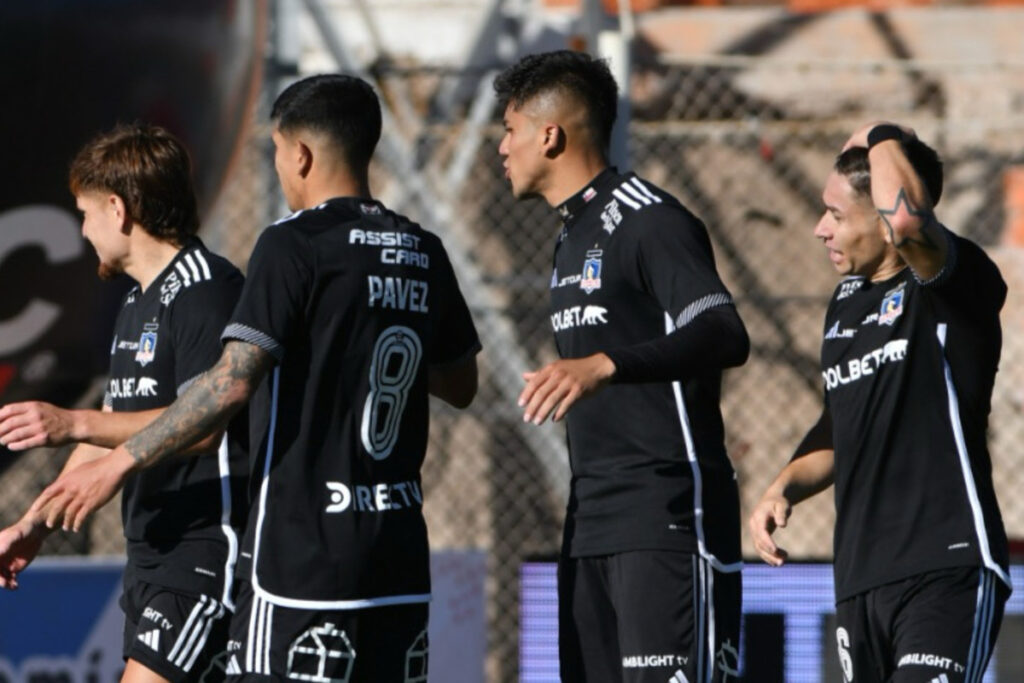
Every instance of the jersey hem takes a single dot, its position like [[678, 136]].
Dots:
[[856, 589], [359, 603]]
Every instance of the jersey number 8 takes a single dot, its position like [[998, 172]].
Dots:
[[396, 358]]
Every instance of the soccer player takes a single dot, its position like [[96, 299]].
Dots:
[[649, 576], [353, 314], [909, 356], [133, 186]]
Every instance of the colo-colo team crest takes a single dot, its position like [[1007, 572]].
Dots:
[[147, 344], [591, 279], [892, 306]]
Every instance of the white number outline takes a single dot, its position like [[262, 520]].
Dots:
[[387, 390], [845, 660]]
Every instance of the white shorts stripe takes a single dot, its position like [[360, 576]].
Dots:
[[212, 606], [268, 623], [250, 638], [710, 598], [186, 629], [201, 644], [978, 655], [699, 581]]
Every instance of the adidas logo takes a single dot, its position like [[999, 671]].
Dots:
[[942, 678], [233, 667], [678, 677], [151, 639]]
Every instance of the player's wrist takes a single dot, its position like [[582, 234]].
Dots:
[[80, 425], [884, 132]]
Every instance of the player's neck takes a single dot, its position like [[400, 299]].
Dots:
[[571, 174], [148, 257], [319, 190], [888, 267]]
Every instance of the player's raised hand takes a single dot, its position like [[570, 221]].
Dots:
[[79, 492], [859, 138], [558, 385], [771, 513], [19, 545], [31, 424]]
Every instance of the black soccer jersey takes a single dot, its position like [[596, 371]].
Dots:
[[908, 370], [181, 516], [649, 468], [354, 302]]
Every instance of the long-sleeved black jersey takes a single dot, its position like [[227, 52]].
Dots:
[[649, 467]]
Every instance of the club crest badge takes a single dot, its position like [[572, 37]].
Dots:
[[591, 279], [147, 344], [892, 306]]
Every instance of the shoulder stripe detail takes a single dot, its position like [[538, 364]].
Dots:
[[289, 217], [192, 267], [183, 271], [207, 275], [700, 306], [637, 194], [621, 196], [646, 190], [255, 337]]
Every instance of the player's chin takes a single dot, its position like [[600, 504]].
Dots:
[[108, 271]]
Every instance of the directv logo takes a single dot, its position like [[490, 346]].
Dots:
[[151, 639]]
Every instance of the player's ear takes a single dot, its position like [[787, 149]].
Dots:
[[304, 155], [552, 139], [117, 208]]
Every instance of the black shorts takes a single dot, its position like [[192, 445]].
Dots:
[[937, 626], [647, 617], [180, 637], [373, 645]]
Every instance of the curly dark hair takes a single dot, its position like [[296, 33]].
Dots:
[[577, 75], [150, 170]]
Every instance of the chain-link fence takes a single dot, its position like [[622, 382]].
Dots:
[[746, 144]]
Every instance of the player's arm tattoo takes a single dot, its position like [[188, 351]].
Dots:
[[205, 406], [900, 210]]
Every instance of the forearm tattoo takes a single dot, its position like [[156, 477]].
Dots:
[[211, 399], [904, 207]]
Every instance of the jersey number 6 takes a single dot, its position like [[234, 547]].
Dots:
[[396, 358]]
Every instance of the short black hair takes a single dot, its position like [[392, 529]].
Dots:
[[576, 74], [343, 107], [854, 165]]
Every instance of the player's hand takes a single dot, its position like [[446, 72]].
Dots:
[[19, 545], [80, 492], [557, 386], [771, 513], [860, 136], [33, 423]]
